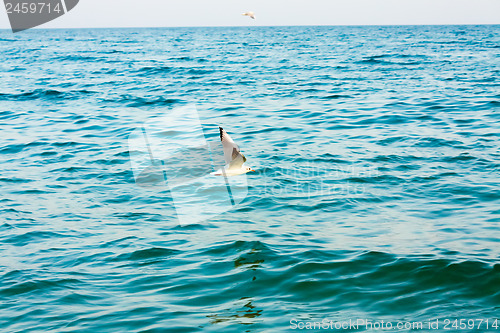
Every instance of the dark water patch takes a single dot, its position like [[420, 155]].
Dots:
[[152, 70], [182, 58], [254, 259], [13, 275], [438, 142], [439, 176], [462, 157], [199, 71], [11, 210], [174, 71], [396, 140], [395, 158], [30, 237], [8, 115], [230, 108], [70, 169], [111, 161], [121, 242], [192, 227], [440, 107], [16, 180], [68, 144], [97, 128], [81, 121], [385, 119], [38, 286], [48, 94], [106, 71], [118, 199], [17, 148], [339, 127], [491, 104], [387, 179], [151, 253], [84, 58], [138, 216], [272, 129], [78, 299], [376, 59], [337, 96], [235, 247], [6, 226], [136, 101], [32, 191]]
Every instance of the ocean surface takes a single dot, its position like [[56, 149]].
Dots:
[[376, 194]]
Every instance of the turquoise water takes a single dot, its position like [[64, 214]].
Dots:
[[376, 196]]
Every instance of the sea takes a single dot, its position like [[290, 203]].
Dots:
[[374, 205]]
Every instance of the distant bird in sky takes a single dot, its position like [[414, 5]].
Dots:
[[251, 14]]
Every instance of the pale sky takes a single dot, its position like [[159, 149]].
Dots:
[[164, 13]]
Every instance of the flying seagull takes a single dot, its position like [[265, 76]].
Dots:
[[251, 14], [233, 157]]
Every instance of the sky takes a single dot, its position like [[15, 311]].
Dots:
[[165, 13]]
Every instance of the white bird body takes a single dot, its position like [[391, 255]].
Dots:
[[235, 160], [250, 14]]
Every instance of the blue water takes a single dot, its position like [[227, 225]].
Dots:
[[376, 195]]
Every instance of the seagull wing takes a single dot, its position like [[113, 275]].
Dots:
[[232, 154], [237, 163]]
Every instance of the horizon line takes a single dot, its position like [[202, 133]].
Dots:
[[269, 26]]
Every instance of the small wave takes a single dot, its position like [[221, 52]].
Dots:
[[136, 101], [36, 94], [236, 247], [47, 94], [40, 286], [30, 237], [438, 142], [79, 57], [200, 71], [71, 144], [336, 96], [393, 59], [377, 59], [182, 58], [17, 148], [160, 101], [97, 128], [459, 158], [151, 70], [6, 226], [385, 119], [8, 114], [146, 255]]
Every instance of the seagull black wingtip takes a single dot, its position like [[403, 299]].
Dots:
[[221, 131]]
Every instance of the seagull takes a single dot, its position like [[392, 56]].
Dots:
[[232, 155], [251, 14]]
